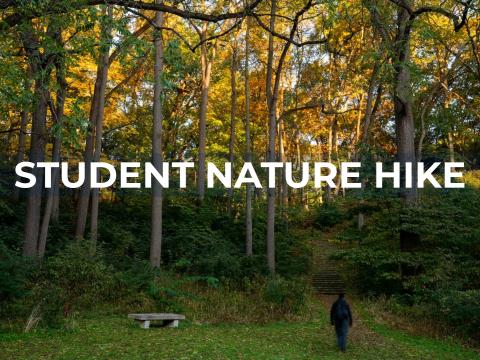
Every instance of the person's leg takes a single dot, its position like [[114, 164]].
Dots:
[[339, 334], [345, 327]]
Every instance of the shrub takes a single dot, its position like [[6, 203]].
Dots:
[[462, 309], [328, 215], [136, 277], [73, 279], [14, 274], [293, 255], [286, 294]]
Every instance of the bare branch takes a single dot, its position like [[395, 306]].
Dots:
[[152, 24], [54, 7], [288, 39], [223, 33], [458, 23]]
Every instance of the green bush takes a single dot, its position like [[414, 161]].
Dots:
[[286, 294], [135, 277], [14, 274], [328, 215], [71, 280], [462, 309], [293, 255]]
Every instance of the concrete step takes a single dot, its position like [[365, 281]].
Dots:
[[331, 292], [328, 283], [327, 272], [328, 278]]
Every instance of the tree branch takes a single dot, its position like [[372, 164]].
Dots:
[[458, 23], [288, 39], [54, 7]]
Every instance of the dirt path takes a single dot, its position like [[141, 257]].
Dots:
[[360, 333], [322, 247]]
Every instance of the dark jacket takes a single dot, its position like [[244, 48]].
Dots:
[[333, 311]]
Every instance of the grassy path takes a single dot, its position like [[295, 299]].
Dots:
[[118, 338]]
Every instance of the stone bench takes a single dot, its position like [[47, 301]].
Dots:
[[168, 320]]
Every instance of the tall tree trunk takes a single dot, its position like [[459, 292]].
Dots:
[[233, 114], [206, 65], [53, 192], [405, 127], [372, 104], [37, 154], [41, 72], [248, 147], [272, 100], [272, 125], [84, 196], [104, 64], [157, 157]]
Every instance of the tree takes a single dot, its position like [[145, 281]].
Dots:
[[157, 156], [233, 114], [100, 114], [399, 43], [248, 147], [273, 79], [58, 113], [93, 143], [94, 135], [40, 67]]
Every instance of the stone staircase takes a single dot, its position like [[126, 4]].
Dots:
[[326, 278]]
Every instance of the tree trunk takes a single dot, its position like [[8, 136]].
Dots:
[[157, 157], [53, 192], [372, 103], [84, 196], [37, 154], [272, 125], [248, 147], [104, 64], [41, 73], [405, 128], [206, 65], [233, 114]]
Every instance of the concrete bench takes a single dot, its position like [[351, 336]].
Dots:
[[168, 320]]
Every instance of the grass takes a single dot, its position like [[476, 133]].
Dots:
[[113, 337]]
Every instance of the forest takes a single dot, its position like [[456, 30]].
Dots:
[[171, 95]]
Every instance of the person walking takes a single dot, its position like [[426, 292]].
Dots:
[[341, 317]]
